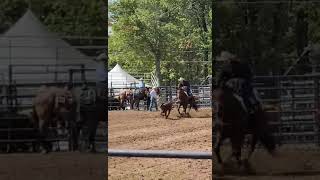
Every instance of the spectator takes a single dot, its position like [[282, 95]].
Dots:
[[153, 99]]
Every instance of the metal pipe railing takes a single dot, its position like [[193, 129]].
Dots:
[[159, 154]]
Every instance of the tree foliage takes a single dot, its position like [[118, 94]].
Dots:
[[169, 37], [269, 35], [72, 17]]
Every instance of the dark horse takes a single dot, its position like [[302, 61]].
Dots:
[[234, 123], [141, 94], [184, 100], [90, 116]]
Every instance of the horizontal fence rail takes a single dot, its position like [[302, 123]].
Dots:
[[159, 154], [17, 94]]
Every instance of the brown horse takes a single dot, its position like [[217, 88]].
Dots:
[[125, 96], [185, 100], [234, 123], [50, 106]]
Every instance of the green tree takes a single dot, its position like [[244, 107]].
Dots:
[[72, 17], [161, 35]]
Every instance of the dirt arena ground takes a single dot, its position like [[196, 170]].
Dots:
[[53, 166], [149, 131], [291, 163]]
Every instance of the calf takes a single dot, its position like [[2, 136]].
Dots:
[[166, 108]]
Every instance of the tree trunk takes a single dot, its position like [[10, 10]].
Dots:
[[158, 71], [204, 26]]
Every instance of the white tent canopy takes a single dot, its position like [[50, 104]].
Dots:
[[119, 78], [29, 42]]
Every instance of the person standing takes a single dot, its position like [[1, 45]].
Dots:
[[148, 97], [153, 99]]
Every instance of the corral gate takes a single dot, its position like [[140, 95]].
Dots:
[[295, 103], [21, 87]]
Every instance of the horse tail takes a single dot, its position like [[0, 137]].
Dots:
[[268, 141]]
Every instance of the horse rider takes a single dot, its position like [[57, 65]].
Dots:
[[184, 83], [240, 70], [102, 74], [88, 108], [141, 83], [87, 96]]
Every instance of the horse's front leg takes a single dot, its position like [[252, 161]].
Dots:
[[131, 104], [190, 108], [185, 109], [138, 105], [246, 163], [237, 143], [43, 130], [252, 146], [168, 113], [217, 147], [179, 108]]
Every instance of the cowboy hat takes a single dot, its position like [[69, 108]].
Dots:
[[181, 79], [225, 56]]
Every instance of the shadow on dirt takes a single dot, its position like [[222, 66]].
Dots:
[[277, 174]]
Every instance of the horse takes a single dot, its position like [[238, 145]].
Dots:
[[184, 100], [114, 103], [90, 116], [234, 123], [141, 94], [51, 106], [125, 96]]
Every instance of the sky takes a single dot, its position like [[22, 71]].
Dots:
[[110, 1]]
